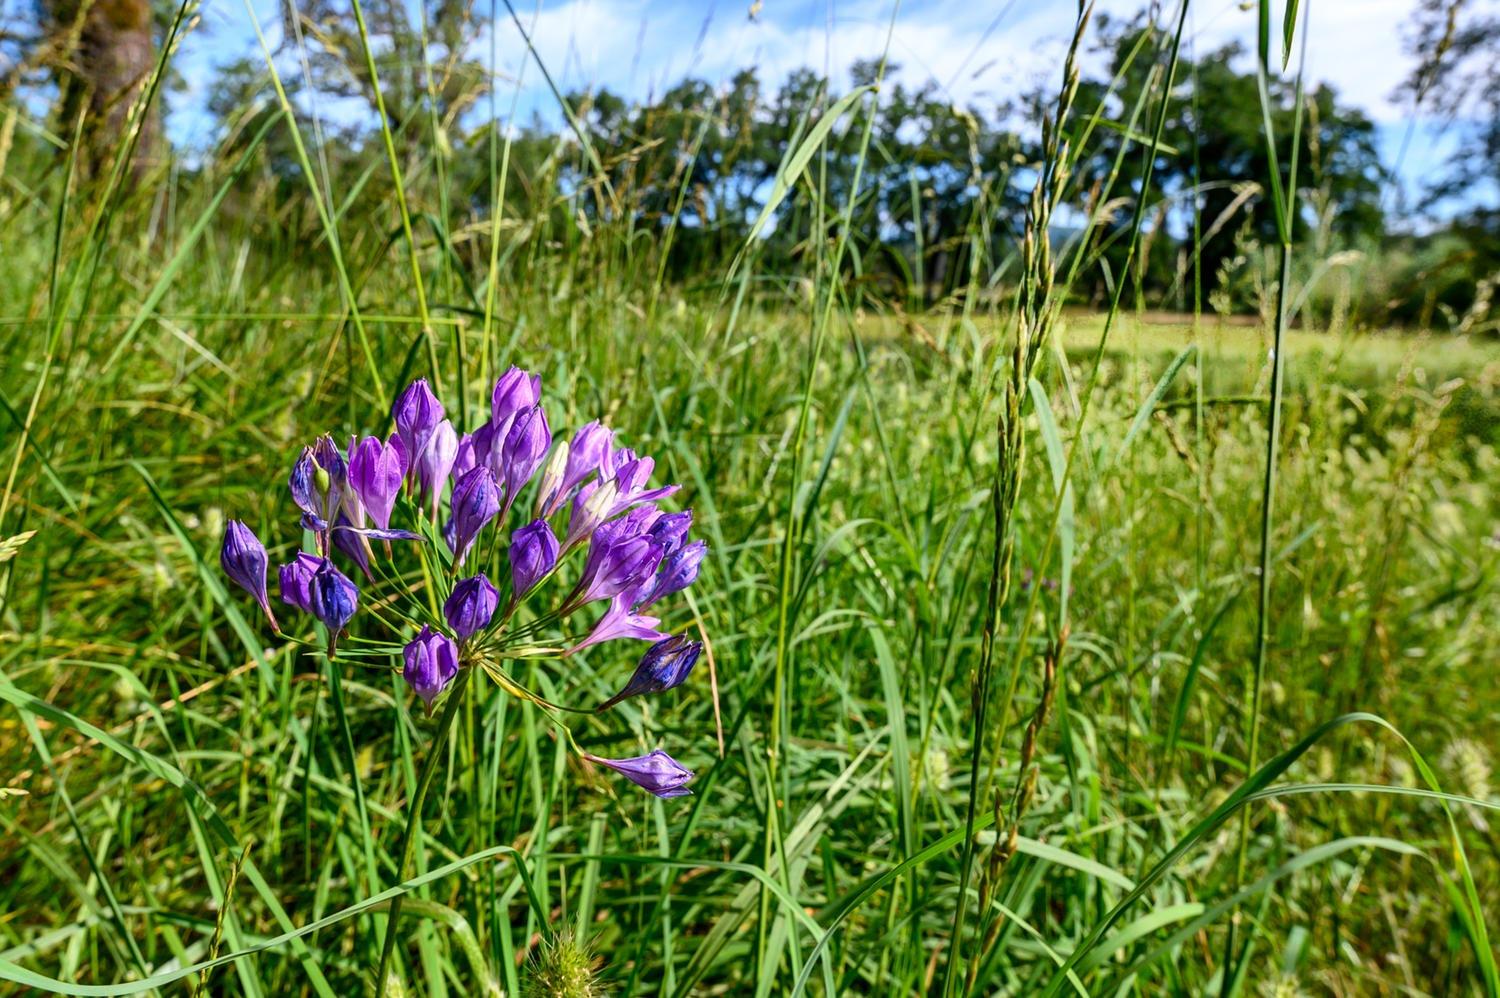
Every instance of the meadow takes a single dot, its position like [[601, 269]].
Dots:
[[1063, 724]]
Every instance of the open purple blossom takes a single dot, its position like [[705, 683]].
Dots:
[[417, 414], [655, 772], [431, 663], [375, 473], [243, 558], [630, 479], [317, 484], [665, 665], [620, 621], [533, 553], [475, 503], [469, 609], [578, 459]]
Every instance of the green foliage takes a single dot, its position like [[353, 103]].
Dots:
[[175, 790]]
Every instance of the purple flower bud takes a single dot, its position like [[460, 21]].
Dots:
[[485, 443], [431, 664], [417, 413], [533, 553], [464, 459], [333, 597], [665, 665], [620, 621], [591, 445], [296, 580], [515, 392], [469, 609], [243, 558], [434, 463], [614, 566], [375, 473], [314, 585], [352, 545], [671, 530], [677, 573], [521, 454], [655, 772], [475, 503]]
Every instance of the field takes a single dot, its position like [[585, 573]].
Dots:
[[1080, 752]]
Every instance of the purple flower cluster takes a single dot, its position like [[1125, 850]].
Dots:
[[599, 495]]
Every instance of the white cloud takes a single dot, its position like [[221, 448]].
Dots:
[[638, 47]]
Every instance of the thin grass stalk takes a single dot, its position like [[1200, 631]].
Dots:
[[330, 227], [414, 819], [399, 187], [780, 710], [1033, 320], [1285, 208]]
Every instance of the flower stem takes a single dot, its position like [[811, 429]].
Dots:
[[414, 819]]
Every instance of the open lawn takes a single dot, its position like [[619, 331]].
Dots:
[[183, 782]]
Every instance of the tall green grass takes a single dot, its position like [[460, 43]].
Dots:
[[1049, 653]]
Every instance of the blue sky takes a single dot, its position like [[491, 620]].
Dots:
[[975, 51]]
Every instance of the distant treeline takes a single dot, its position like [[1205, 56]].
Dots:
[[941, 187]]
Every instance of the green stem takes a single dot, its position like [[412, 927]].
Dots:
[[414, 819]]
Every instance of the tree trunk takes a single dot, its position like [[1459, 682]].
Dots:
[[109, 68]]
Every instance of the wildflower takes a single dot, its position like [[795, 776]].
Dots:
[[417, 414], [464, 458], [630, 477], [665, 665], [354, 547], [590, 508], [243, 557], [525, 445], [375, 473], [616, 562], [533, 553], [431, 664], [321, 590], [296, 580], [578, 460], [317, 484], [678, 571], [435, 462], [671, 530], [515, 392], [469, 609], [656, 772], [475, 503], [620, 621]]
